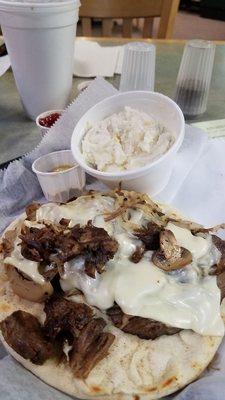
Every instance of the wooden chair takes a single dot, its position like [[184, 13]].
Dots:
[[107, 10]]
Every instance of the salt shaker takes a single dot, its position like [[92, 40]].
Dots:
[[194, 77]]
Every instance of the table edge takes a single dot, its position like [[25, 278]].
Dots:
[[124, 40]]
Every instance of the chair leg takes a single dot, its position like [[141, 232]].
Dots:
[[86, 26], [107, 25], [169, 12], [148, 27], [127, 27]]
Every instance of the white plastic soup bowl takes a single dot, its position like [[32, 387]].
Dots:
[[153, 177]]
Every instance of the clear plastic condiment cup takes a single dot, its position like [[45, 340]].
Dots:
[[63, 185], [138, 69], [194, 77]]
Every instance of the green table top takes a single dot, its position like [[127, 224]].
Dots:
[[19, 135]]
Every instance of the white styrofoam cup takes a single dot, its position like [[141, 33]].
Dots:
[[40, 42]]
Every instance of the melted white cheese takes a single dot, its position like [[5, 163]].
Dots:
[[33, 224], [30, 268], [197, 245], [127, 244], [109, 226], [66, 349], [142, 289], [136, 216], [79, 211]]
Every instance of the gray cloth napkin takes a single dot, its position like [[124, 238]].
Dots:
[[19, 186]]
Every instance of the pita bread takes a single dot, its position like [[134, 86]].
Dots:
[[134, 369]]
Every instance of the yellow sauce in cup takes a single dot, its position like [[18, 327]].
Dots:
[[62, 167]]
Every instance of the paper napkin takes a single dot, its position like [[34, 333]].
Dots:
[[202, 194], [4, 64], [190, 151], [214, 128], [91, 59]]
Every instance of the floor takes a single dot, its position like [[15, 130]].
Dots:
[[190, 26], [187, 26]]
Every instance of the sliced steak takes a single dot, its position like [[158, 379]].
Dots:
[[98, 247], [149, 235], [144, 328], [221, 284], [138, 254], [30, 253], [219, 268], [65, 317], [118, 317], [24, 334], [75, 323], [64, 221], [49, 273], [31, 211], [220, 244], [38, 244], [57, 244], [8, 242], [67, 247], [88, 334], [90, 347], [66, 322]]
